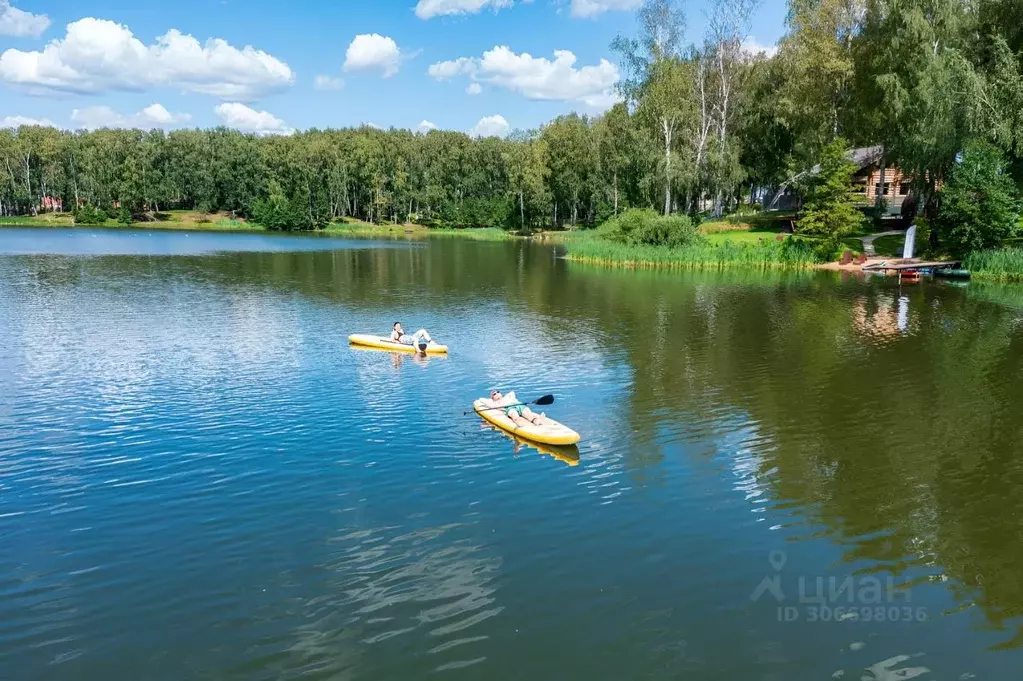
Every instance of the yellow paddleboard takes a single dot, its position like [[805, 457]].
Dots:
[[397, 353], [382, 343], [553, 433]]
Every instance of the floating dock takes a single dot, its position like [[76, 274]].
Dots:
[[899, 265]]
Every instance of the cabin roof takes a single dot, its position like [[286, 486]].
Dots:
[[863, 157], [866, 156]]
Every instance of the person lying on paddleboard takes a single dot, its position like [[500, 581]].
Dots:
[[520, 414], [418, 339]]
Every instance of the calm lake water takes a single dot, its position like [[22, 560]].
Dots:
[[200, 479]]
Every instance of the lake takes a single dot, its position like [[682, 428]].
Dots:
[[782, 475]]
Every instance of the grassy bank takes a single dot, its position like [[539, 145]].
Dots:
[[175, 219], [360, 228], [475, 233], [414, 231], [753, 242], [218, 222], [759, 254]]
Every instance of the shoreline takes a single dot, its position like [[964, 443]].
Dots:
[[630, 258], [1008, 278], [227, 225], [188, 227]]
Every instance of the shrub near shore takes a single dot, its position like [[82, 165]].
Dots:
[[644, 227]]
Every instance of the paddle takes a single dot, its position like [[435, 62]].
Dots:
[[540, 402]]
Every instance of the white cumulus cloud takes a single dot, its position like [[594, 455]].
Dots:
[[21, 24], [537, 77], [241, 117], [158, 114], [428, 9], [18, 121], [446, 70], [153, 116], [97, 55], [328, 83], [592, 8], [426, 126], [491, 126], [373, 52], [751, 47], [474, 88]]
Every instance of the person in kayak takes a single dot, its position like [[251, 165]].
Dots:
[[418, 339], [520, 414]]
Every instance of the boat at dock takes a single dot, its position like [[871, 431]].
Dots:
[[910, 270], [911, 264], [952, 273]]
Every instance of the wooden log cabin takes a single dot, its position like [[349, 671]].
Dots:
[[867, 181]]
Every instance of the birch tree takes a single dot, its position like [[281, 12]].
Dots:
[[656, 81], [701, 59], [727, 31], [668, 103]]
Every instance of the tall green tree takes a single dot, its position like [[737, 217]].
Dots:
[[525, 158], [918, 93], [616, 145], [766, 139], [571, 161], [816, 71], [979, 204], [829, 211]]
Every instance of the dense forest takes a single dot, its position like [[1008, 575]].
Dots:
[[703, 126]]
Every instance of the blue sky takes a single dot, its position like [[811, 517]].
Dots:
[[112, 80]]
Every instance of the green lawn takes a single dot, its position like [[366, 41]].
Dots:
[[852, 243], [890, 246], [763, 229], [742, 236], [746, 229], [725, 232]]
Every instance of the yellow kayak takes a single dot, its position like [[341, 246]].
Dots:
[[553, 433], [381, 343]]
